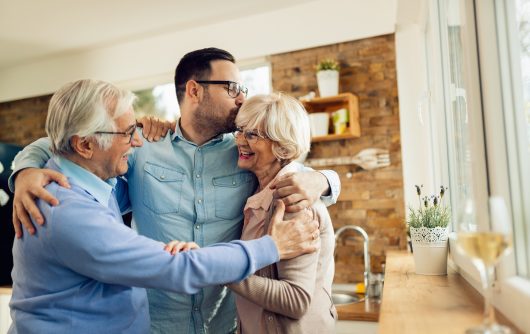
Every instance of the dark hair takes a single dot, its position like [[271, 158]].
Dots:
[[196, 65]]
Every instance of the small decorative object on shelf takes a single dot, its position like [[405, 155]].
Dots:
[[343, 109], [427, 226], [328, 77]]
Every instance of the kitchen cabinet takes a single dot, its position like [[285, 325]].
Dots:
[[331, 104]]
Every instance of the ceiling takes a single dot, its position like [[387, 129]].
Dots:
[[33, 29]]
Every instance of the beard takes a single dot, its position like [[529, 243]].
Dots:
[[211, 118]]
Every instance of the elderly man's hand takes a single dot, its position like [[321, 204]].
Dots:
[[154, 128], [296, 236], [300, 190], [29, 185]]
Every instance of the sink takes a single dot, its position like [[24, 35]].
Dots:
[[341, 297]]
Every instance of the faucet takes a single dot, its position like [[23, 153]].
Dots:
[[365, 246]]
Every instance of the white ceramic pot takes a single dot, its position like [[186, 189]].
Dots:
[[429, 248], [328, 82]]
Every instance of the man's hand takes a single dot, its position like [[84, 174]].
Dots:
[[293, 237], [29, 185], [300, 190], [154, 128], [175, 246]]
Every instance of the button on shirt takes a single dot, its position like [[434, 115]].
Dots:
[[83, 270]]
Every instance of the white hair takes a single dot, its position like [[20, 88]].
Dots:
[[281, 118], [82, 108]]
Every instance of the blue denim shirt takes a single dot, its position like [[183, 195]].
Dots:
[[84, 269], [182, 191]]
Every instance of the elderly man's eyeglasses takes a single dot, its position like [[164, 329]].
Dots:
[[233, 88], [129, 133], [251, 136]]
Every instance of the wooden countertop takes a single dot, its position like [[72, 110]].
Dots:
[[367, 310], [427, 304]]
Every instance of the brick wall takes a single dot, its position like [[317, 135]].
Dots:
[[370, 199], [22, 121]]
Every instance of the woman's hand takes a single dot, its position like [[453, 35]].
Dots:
[[176, 246]]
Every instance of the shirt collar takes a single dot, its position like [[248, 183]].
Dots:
[[179, 136], [101, 190]]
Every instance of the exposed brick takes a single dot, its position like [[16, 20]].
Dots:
[[370, 199]]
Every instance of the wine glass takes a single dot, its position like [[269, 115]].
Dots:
[[485, 246]]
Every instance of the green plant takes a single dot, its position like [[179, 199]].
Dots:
[[431, 213], [328, 64]]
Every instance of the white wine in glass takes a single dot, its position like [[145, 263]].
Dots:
[[484, 246], [485, 249]]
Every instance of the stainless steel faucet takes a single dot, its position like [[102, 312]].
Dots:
[[365, 246]]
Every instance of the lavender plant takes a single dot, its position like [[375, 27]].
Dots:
[[432, 211]]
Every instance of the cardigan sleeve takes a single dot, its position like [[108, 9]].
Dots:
[[290, 294]]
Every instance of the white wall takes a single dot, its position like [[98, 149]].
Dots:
[[144, 62]]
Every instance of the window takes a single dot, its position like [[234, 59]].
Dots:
[[257, 78], [485, 83], [513, 33], [159, 101]]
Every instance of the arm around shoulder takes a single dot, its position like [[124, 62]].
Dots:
[[35, 155]]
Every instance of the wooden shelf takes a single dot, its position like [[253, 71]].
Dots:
[[331, 104], [334, 137]]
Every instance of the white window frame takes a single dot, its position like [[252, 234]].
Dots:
[[493, 136], [512, 295]]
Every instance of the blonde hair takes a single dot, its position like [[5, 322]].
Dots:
[[282, 119], [82, 108]]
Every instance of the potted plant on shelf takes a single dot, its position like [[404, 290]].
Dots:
[[428, 230], [328, 77]]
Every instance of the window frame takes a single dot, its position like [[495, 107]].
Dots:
[[493, 136]]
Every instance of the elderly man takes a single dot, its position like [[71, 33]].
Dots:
[[85, 270], [187, 186]]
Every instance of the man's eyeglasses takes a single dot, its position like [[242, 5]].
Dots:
[[251, 136], [127, 133], [233, 88]]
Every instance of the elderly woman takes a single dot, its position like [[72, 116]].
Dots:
[[290, 296]]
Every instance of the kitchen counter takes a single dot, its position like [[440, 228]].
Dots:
[[367, 310], [428, 304]]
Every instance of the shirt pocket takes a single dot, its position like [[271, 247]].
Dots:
[[231, 193], [162, 188]]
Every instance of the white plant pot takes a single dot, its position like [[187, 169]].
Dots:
[[429, 247], [328, 82]]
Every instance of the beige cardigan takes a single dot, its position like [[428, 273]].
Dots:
[[292, 296]]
